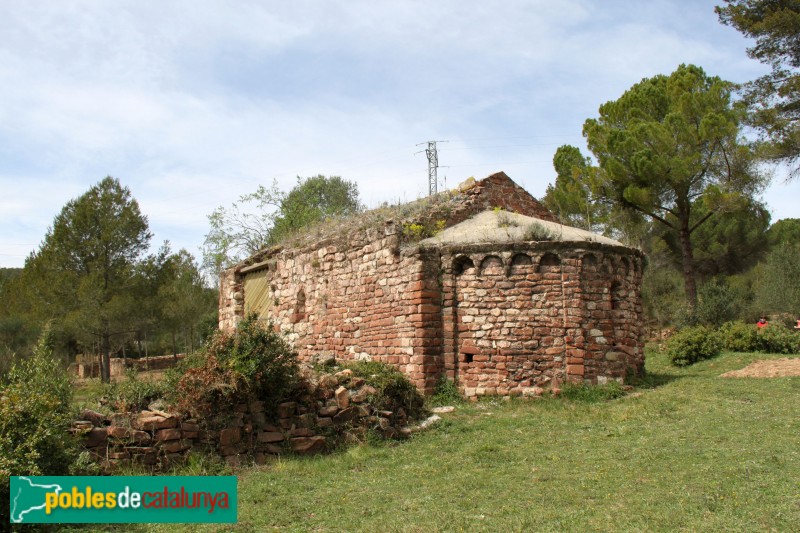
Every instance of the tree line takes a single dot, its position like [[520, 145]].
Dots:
[[94, 284]]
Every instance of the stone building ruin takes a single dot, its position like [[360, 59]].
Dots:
[[481, 285]]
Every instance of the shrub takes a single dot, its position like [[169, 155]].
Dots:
[[252, 361], [395, 391], [693, 344], [739, 337], [776, 338], [34, 419], [133, 394]]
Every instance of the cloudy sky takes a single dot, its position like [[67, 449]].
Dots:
[[192, 104]]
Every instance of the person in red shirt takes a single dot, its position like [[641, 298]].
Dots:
[[762, 322]]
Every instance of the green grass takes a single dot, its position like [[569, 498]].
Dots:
[[694, 453]]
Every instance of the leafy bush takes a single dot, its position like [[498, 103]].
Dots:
[[252, 361], [693, 344], [34, 419], [592, 393], [739, 337], [395, 391], [133, 394], [776, 338]]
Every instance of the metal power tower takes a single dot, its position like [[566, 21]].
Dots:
[[433, 165]]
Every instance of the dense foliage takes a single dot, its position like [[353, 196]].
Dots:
[[693, 344], [254, 360], [34, 419], [668, 145], [773, 99]]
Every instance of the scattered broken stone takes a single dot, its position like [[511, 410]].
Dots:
[[342, 397], [425, 424], [308, 445]]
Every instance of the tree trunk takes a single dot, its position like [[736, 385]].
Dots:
[[687, 259], [105, 365], [174, 347]]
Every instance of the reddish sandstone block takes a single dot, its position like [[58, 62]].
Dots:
[[575, 370]]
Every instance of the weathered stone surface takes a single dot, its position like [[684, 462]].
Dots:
[[152, 423], [328, 410], [168, 434], [190, 426], [308, 445], [270, 436], [287, 409], [346, 415], [342, 396], [324, 422], [229, 436], [307, 420], [119, 455], [97, 419], [301, 432], [533, 391], [128, 434], [95, 437], [172, 446], [344, 375], [328, 381]]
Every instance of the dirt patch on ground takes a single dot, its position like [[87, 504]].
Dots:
[[773, 368]]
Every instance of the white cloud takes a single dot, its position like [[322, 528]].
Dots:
[[193, 104]]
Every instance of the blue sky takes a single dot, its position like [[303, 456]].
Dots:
[[193, 104]]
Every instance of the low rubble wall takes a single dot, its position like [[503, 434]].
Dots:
[[337, 407]]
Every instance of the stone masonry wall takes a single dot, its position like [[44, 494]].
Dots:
[[499, 319], [363, 299], [520, 318]]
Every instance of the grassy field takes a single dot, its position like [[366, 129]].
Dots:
[[691, 452]]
